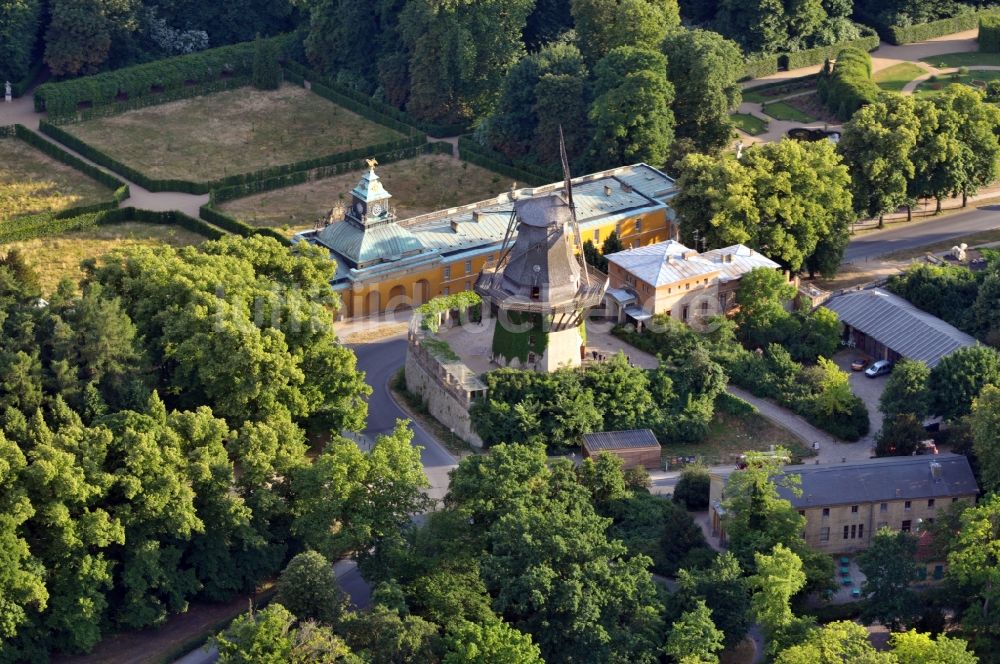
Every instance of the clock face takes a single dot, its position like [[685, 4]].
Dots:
[[377, 209], [359, 207]]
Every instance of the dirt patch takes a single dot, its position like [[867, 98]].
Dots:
[[811, 105]]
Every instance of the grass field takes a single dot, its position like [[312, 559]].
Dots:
[[419, 185], [970, 59], [230, 132], [31, 182], [57, 257], [896, 77], [782, 110], [749, 123], [732, 435], [931, 88]]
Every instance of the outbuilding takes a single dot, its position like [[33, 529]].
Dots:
[[887, 327], [635, 447]]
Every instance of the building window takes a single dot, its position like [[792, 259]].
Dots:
[[687, 286], [930, 502], [906, 505], [954, 499], [446, 291], [824, 534], [845, 532], [638, 225], [826, 512], [468, 267], [861, 531], [468, 285], [597, 235], [531, 340], [447, 272], [531, 357], [929, 520], [684, 312], [489, 258], [802, 512], [536, 293], [854, 509], [854, 531], [704, 308], [884, 507], [906, 526]]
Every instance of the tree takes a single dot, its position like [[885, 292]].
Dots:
[[958, 378], [547, 21], [900, 436], [906, 391], [694, 637], [19, 23], [82, 33], [889, 566], [877, 145], [692, 488], [495, 642], [603, 477], [940, 160], [603, 25], [308, 588], [266, 70], [975, 124], [836, 642], [460, 53], [383, 636], [779, 577], [818, 335], [916, 648], [704, 68], [632, 118], [761, 296], [758, 25], [974, 562], [725, 591], [271, 635], [985, 421], [621, 393]]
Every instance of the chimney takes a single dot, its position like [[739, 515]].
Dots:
[[935, 470], [689, 254], [626, 187], [607, 190], [728, 258], [475, 216], [454, 225]]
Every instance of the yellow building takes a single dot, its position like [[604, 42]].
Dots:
[[385, 263]]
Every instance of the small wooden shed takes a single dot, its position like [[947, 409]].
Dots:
[[635, 447]]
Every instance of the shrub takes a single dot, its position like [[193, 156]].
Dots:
[[266, 70], [731, 404], [759, 66], [850, 85], [989, 33], [692, 488]]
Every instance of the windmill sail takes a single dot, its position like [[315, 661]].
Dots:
[[572, 207]]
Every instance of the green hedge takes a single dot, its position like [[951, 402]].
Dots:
[[989, 33], [51, 149], [365, 101], [233, 225], [119, 107], [143, 80], [731, 404], [905, 34], [850, 85], [44, 225], [97, 156], [479, 155], [8, 131], [758, 66]]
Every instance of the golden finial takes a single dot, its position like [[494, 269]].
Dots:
[[372, 163]]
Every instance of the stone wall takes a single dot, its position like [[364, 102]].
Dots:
[[424, 380]]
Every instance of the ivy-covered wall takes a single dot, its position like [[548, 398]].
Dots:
[[510, 345]]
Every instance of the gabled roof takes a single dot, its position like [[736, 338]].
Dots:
[[898, 325], [882, 480], [632, 439], [668, 262]]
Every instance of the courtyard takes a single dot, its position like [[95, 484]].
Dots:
[[31, 183], [226, 133], [419, 185]]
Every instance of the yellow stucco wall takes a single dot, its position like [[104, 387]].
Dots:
[[414, 287]]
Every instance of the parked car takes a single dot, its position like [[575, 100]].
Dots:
[[879, 368], [859, 364]]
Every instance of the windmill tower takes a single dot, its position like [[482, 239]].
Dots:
[[540, 287]]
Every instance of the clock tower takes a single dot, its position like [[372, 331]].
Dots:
[[370, 200]]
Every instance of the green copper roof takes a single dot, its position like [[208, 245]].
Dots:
[[364, 246], [370, 188]]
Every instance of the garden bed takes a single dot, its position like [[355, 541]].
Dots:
[[785, 110], [749, 123]]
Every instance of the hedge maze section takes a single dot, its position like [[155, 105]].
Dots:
[[211, 137], [34, 183], [418, 185]]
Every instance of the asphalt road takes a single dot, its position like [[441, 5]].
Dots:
[[915, 234]]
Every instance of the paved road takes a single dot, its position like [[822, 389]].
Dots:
[[915, 234]]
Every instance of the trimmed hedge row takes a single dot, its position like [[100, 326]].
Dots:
[[8, 131], [364, 110], [119, 107], [233, 225], [143, 80], [185, 186], [850, 85], [765, 65], [223, 194], [479, 155], [51, 149], [315, 78], [35, 226], [989, 33], [905, 34]]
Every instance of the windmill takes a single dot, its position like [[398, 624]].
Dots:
[[540, 288]]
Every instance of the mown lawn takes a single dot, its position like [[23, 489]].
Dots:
[[420, 185], [732, 435], [780, 110], [969, 59], [230, 132], [896, 77], [749, 123], [931, 88], [31, 182], [57, 257]]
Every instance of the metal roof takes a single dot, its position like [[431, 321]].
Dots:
[[361, 246], [620, 440], [898, 325], [668, 262], [882, 480]]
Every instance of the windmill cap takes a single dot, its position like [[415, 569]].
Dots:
[[543, 211]]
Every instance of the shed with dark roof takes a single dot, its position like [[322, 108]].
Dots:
[[635, 447]]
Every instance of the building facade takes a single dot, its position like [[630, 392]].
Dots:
[[384, 263], [669, 278], [845, 504]]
